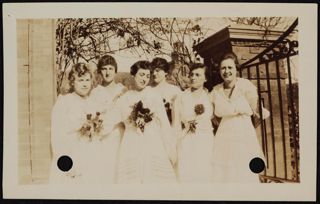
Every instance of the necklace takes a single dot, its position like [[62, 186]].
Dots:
[[228, 87], [228, 90]]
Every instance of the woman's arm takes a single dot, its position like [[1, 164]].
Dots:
[[176, 118], [113, 117], [61, 140], [168, 136], [234, 106], [215, 120], [251, 94]]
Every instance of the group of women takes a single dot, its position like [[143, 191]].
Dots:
[[155, 134]]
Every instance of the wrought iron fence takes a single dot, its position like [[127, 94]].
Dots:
[[272, 72]]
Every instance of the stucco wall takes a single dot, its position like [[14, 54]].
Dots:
[[36, 93]]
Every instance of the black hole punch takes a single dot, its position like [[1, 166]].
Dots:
[[64, 163], [257, 165]]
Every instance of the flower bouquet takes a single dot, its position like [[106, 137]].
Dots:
[[92, 127], [192, 124], [140, 116]]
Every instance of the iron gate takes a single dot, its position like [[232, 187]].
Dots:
[[272, 72]]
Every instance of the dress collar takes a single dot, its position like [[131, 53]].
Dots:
[[233, 91]]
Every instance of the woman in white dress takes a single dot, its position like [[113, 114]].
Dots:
[[105, 96], [146, 151], [168, 92], [72, 129], [236, 143], [192, 121]]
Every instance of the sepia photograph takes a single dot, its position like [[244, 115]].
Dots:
[[158, 100]]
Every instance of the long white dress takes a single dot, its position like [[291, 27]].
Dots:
[[195, 148], [68, 115], [168, 93], [236, 141], [144, 156], [105, 98]]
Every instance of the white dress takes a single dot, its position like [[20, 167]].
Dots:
[[144, 156], [68, 115], [236, 141], [195, 148], [105, 98], [168, 93]]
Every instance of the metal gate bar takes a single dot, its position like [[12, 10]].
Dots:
[[271, 120], [266, 141], [281, 119]]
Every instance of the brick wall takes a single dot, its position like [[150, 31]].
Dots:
[[36, 93]]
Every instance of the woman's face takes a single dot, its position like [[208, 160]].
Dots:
[[197, 78], [82, 85], [108, 73], [159, 75], [142, 78], [228, 70]]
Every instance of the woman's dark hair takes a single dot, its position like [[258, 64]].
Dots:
[[233, 56], [78, 69], [161, 63], [194, 66], [107, 60], [142, 64]]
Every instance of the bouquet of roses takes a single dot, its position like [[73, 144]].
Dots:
[[192, 124], [92, 127], [140, 116]]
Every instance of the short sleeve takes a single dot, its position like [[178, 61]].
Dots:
[[61, 134], [251, 94], [212, 96]]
